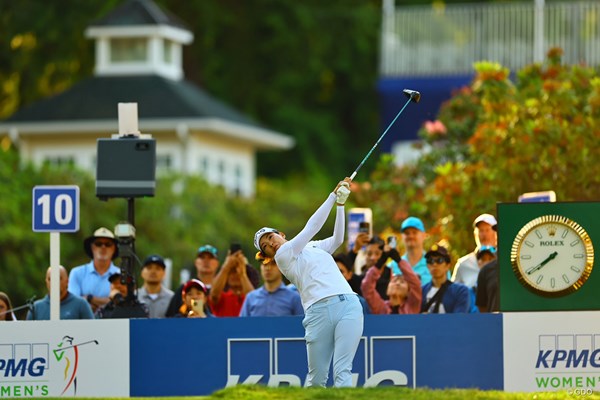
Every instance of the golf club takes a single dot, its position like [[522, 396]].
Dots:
[[413, 96], [75, 345]]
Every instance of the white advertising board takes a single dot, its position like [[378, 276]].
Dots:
[[87, 358], [552, 351]]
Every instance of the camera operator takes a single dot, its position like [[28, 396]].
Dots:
[[123, 298], [117, 296]]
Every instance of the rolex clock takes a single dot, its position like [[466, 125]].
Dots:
[[552, 256]]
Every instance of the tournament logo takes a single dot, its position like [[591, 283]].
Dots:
[[26, 369], [379, 361], [568, 362], [67, 353]]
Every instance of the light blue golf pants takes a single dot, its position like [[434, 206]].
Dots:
[[334, 326]]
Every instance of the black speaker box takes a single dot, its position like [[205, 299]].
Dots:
[[126, 167]]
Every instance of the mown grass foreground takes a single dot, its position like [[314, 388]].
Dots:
[[388, 393], [255, 392]]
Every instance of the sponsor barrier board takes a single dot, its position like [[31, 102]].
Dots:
[[64, 359], [558, 351]]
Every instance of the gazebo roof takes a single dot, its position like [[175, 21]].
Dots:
[[139, 12], [96, 98]]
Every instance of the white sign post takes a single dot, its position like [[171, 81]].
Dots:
[[55, 209]]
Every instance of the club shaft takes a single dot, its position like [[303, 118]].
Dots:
[[75, 345], [378, 140]]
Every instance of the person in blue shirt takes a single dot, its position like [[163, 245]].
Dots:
[[413, 237], [90, 280], [71, 306], [273, 298]]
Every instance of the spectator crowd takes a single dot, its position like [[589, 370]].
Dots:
[[409, 278]]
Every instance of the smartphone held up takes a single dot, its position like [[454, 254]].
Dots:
[[364, 227], [234, 247], [392, 241], [198, 307]]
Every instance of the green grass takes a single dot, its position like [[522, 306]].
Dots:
[[388, 393], [251, 392]]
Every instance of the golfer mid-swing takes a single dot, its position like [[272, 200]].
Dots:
[[333, 319]]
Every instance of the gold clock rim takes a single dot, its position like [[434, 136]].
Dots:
[[558, 219]]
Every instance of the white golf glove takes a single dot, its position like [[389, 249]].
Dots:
[[342, 193]]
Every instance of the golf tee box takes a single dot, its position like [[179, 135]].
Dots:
[[546, 256]]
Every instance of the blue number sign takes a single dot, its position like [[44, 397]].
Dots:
[[56, 209]]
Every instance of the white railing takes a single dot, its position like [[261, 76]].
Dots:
[[447, 40]]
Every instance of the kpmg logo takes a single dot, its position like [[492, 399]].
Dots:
[[379, 360], [24, 362], [25, 367], [568, 351], [568, 361]]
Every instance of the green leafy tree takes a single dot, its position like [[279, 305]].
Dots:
[[185, 213], [305, 68], [44, 48], [494, 141], [20, 249]]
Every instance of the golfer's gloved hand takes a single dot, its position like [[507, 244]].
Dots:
[[342, 193]]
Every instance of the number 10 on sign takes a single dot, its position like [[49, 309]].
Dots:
[[56, 209]]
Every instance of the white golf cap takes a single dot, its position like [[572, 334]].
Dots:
[[260, 234], [487, 218]]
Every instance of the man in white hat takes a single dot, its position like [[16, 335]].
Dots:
[[466, 269], [90, 280]]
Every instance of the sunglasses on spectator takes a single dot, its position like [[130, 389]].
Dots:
[[101, 244], [436, 260]]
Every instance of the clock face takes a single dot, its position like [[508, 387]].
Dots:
[[552, 255]]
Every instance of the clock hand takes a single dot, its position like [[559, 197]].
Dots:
[[540, 265]]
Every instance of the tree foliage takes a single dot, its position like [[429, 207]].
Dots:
[[185, 213], [44, 48], [495, 140], [305, 68]]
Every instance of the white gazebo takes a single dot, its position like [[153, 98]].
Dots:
[[139, 60]]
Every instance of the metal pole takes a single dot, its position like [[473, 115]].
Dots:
[[54, 276], [538, 32]]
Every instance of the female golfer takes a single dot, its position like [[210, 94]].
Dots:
[[333, 319]]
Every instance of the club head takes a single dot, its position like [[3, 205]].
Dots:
[[413, 95]]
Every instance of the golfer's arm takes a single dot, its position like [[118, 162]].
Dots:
[[332, 243], [339, 227], [313, 225]]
